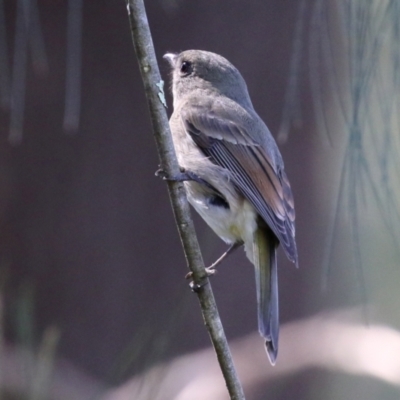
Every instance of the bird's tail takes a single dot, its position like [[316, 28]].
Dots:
[[265, 262]]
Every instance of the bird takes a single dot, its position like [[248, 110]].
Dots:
[[233, 172]]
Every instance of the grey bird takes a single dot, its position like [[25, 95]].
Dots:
[[233, 171]]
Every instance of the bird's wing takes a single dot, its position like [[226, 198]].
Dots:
[[227, 140]]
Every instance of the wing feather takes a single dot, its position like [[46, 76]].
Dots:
[[228, 143]]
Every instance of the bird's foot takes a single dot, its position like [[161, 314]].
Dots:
[[182, 176], [210, 271], [161, 173], [195, 286]]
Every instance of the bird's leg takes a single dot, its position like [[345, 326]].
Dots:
[[184, 175], [211, 269]]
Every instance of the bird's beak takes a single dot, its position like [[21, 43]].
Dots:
[[170, 57]]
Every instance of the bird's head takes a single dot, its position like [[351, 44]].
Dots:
[[205, 71]]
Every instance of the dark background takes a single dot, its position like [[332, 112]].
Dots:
[[87, 232]]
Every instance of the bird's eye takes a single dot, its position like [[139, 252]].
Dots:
[[186, 68]]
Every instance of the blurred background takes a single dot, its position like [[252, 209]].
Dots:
[[93, 300]]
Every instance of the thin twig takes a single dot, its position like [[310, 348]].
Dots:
[[153, 85]]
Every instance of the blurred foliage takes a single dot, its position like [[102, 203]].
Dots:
[[353, 60]]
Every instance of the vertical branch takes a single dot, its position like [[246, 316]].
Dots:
[[153, 85]]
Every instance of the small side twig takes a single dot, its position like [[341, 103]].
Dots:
[[144, 48]]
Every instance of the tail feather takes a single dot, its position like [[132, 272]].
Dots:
[[265, 262]]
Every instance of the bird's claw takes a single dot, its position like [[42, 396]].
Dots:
[[182, 176], [195, 286], [210, 271], [160, 173]]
